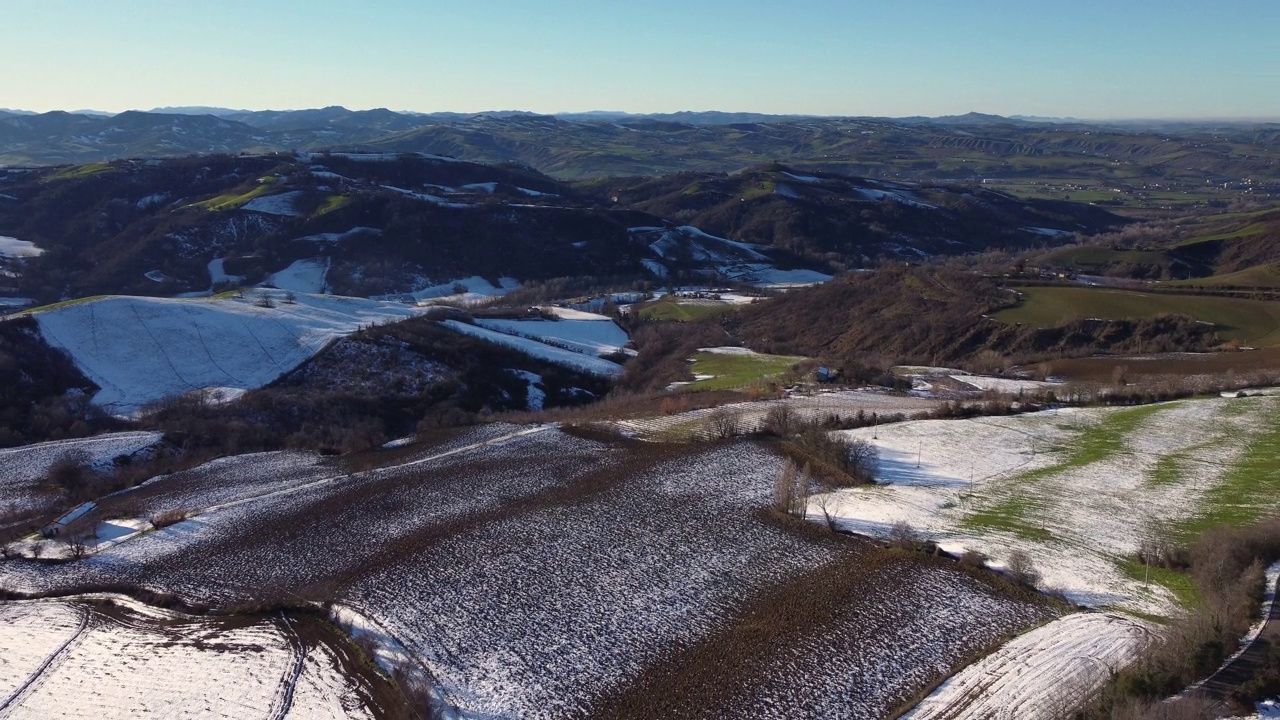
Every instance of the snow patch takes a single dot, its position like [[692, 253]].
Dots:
[[281, 204], [15, 248]]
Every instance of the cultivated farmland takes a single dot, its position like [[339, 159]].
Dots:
[[529, 572]]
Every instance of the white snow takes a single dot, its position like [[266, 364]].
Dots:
[[775, 278], [66, 659], [474, 289], [537, 394], [591, 337], [655, 267], [434, 199], [728, 350], [279, 204], [152, 200], [339, 237], [802, 178], [571, 314], [15, 301], [302, 276], [13, 247], [139, 350], [1047, 231], [218, 274], [568, 358], [1041, 674], [1006, 385], [898, 197]]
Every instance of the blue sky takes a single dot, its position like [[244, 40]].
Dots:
[[1082, 58]]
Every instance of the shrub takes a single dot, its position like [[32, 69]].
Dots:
[[165, 518], [903, 536]]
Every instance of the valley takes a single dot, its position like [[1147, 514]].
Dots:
[[394, 427]]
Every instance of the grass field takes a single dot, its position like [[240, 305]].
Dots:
[[1091, 256], [1246, 231], [1252, 322], [1094, 444], [669, 308], [1079, 490], [733, 371], [80, 171], [1248, 490], [333, 202], [231, 201], [1258, 276]]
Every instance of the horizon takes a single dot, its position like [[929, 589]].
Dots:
[[1028, 117], [1093, 59]]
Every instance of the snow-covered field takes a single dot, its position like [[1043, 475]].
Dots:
[[139, 350], [541, 350], [593, 335], [22, 469], [64, 658], [749, 416], [463, 291], [1041, 675], [302, 276], [1078, 490], [279, 204]]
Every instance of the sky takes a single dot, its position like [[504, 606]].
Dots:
[[1088, 59]]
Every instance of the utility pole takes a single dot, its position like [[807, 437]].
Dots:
[[919, 451]]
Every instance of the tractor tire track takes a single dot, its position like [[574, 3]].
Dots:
[[87, 622]]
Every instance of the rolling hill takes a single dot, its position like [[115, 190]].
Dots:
[[411, 225]]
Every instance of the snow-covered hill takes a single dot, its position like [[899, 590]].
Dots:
[[139, 350]]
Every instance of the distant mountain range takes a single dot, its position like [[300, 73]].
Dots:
[[594, 144]]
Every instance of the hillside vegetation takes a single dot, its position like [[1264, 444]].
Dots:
[[932, 317]]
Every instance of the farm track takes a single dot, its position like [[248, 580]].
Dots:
[[1253, 658], [88, 620], [284, 701], [204, 345]]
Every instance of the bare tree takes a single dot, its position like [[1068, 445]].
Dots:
[[722, 424], [290, 298], [863, 458], [78, 545], [780, 421], [829, 504], [783, 487], [1021, 569]]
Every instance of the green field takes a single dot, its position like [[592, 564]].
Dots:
[[80, 171], [1258, 276], [1246, 231], [231, 201], [734, 372], [1093, 256], [669, 308], [1015, 512], [1248, 491], [1252, 322], [333, 202]]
